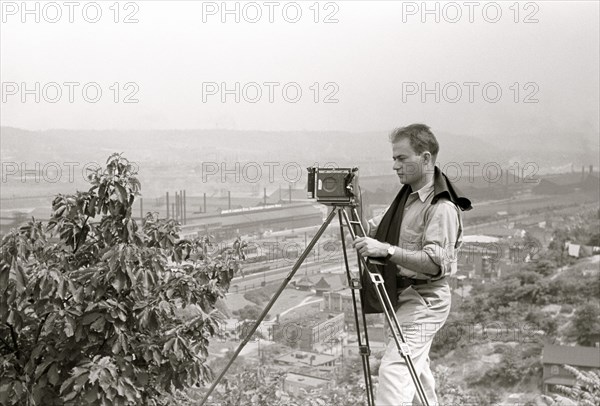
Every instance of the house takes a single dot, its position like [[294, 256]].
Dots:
[[311, 331], [305, 283], [295, 382], [578, 250], [555, 357], [573, 250], [321, 328], [322, 286], [341, 301], [589, 250], [307, 358]]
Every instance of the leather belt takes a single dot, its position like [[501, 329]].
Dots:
[[403, 282]]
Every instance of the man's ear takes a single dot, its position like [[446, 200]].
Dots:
[[427, 158]]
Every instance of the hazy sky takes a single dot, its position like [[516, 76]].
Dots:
[[375, 64]]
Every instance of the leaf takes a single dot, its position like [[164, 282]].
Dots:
[[53, 374], [116, 347], [90, 318], [91, 395], [113, 261], [5, 390], [39, 371], [147, 281], [176, 346], [130, 229], [102, 191], [82, 235], [121, 193], [119, 282], [169, 344], [91, 208], [142, 378], [94, 374], [20, 276], [4, 275], [69, 327], [152, 321], [70, 396], [98, 325], [157, 357]]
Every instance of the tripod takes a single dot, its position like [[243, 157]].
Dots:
[[354, 283]]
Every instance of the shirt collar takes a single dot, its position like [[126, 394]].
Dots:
[[425, 191]]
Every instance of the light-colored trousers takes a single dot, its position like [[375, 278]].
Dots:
[[422, 311]]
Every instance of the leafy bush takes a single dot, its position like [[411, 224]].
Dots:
[[248, 312], [260, 296], [585, 392], [89, 301], [454, 333], [542, 321], [516, 365], [586, 324]]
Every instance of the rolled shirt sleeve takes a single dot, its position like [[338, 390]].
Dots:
[[374, 224], [442, 237]]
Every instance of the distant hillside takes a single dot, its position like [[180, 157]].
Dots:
[[551, 148], [306, 148], [189, 145]]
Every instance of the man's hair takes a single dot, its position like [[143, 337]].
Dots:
[[420, 137]]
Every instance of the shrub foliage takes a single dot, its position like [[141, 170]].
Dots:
[[90, 301]]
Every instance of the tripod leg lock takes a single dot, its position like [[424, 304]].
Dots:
[[404, 349], [355, 283], [364, 350]]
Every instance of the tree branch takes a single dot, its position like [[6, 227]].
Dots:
[[41, 326]]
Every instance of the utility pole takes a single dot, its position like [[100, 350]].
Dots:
[[167, 205], [184, 208]]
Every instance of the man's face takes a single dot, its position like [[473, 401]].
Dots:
[[407, 163]]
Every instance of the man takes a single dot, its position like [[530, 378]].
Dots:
[[419, 236]]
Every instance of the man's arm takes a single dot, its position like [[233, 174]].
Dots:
[[370, 247], [438, 255], [443, 236]]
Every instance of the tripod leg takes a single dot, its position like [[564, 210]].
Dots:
[[389, 313], [264, 313], [364, 350]]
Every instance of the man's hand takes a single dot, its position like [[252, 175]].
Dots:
[[370, 247]]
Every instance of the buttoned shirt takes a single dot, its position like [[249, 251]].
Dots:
[[426, 229]]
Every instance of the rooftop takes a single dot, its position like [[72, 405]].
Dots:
[[576, 356], [305, 379], [304, 358], [312, 319], [322, 284], [305, 281]]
